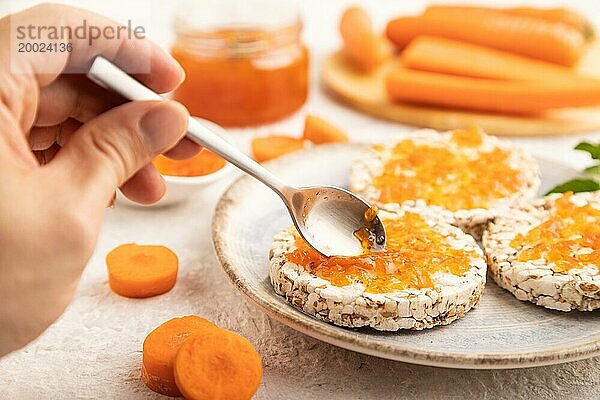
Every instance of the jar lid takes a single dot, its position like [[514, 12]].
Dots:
[[236, 28], [210, 15]]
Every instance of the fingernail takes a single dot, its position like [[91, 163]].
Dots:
[[111, 203], [163, 125], [180, 69]]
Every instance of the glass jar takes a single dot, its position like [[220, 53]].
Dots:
[[245, 63]]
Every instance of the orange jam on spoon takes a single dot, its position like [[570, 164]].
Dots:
[[364, 235], [414, 252], [569, 238], [462, 178]]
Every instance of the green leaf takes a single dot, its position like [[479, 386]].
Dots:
[[593, 149], [593, 170], [576, 186]]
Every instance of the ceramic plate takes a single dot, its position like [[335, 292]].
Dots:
[[502, 332]]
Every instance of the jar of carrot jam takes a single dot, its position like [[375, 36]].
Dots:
[[245, 62]]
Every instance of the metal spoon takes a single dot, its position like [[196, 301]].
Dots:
[[327, 217]]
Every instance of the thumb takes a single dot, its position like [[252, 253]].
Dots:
[[103, 153]]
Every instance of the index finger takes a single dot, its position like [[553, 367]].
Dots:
[[127, 47]]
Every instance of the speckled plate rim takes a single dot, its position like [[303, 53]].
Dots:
[[346, 338]]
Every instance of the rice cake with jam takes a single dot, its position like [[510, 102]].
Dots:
[[548, 251], [465, 175], [431, 273]]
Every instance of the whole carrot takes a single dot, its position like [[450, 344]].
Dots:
[[516, 97], [562, 15], [364, 48], [532, 37], [435, 54]]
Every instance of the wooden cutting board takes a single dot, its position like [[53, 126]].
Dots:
[[367, 93]]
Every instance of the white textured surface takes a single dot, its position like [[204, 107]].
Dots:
[[94, 350]]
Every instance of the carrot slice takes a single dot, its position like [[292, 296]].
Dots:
[[319, 131], [160, 348], [436, 54], [562, 15], [269, 147], [365, 49], [520, 97], [141, 271], [217, 365], [553, 42]]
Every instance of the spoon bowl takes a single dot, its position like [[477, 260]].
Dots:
[[330, 218]]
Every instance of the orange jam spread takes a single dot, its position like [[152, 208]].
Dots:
[[371, 213], [569, 238], [414, 252], [460, 179], [470, 137], [203, 163]]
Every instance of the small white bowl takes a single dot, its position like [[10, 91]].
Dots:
[[181, 188]]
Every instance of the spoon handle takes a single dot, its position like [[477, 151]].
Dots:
[[109, 76]]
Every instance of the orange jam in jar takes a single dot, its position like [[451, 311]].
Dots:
[[569, 237], [459, 178], [414, 252], [245, 63], [203, 163]]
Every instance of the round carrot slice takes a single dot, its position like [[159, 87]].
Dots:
[[269, 147], [217, 365], [141, 271], [160, 348], [319, 131]]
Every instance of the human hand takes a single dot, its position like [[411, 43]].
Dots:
[[66, 145]]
